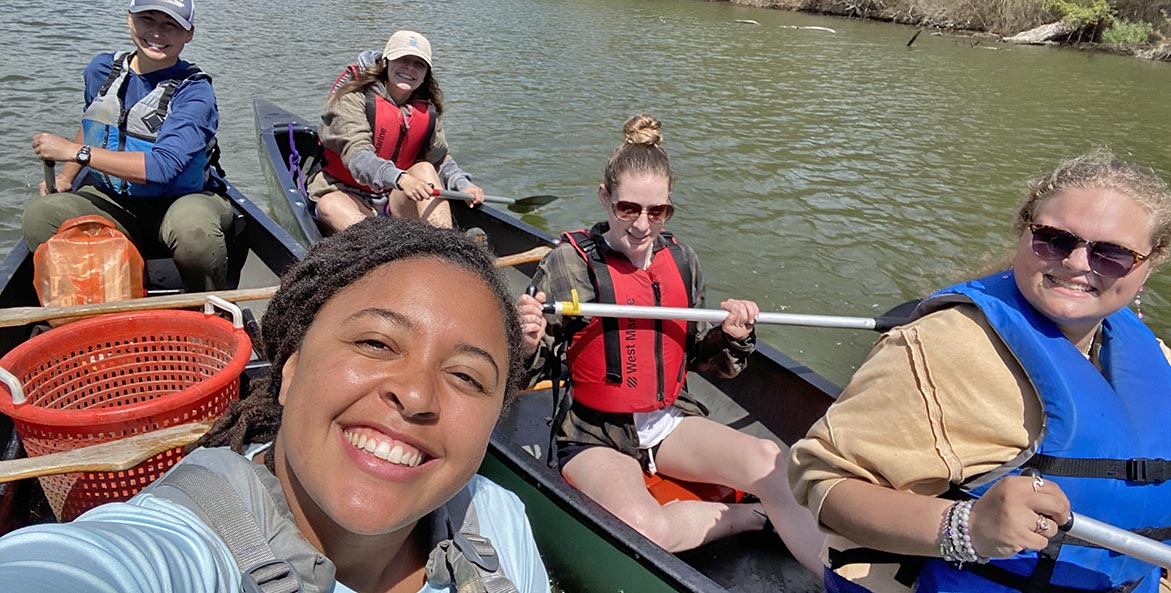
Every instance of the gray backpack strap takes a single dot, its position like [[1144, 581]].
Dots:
[[465, 558], [260, 570]]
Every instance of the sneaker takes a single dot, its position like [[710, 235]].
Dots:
[[478, 236]]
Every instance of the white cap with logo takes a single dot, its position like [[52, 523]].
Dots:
[[407, 43]]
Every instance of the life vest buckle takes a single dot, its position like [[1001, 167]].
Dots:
[[270, 575], [483, 555], [1144, 470]]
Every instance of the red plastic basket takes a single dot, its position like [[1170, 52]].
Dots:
[[119, 375]]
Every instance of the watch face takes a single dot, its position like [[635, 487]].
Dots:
[[83, 155]]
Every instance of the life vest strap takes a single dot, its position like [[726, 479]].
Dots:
[[116, 66], [1140, 470], [260, 570], [154, 121], [604, 286], [1015, 581]]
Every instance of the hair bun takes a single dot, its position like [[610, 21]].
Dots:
[[643, 129]]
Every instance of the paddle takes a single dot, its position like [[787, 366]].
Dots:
[[535, 254], [117, 455], [16, 316], [50, 177], [717, 315], [522, 205], [1118, 540], [542, 386]]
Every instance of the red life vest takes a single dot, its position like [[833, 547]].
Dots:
[[400, 134], [632, 365]]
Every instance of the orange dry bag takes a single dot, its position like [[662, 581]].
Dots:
[[87, 261]]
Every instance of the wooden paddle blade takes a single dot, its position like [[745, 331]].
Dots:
[[526, 205], [533, 255], [117, 455], [543, 386], [17, 316]]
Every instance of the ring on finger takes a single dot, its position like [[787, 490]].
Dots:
[[1042, 524], [1038, 482]]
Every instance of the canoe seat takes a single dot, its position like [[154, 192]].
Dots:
[[666, 489]]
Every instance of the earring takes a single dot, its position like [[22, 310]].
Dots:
[[1138, 301]]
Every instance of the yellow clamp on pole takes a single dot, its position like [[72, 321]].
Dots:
[[571, 307]]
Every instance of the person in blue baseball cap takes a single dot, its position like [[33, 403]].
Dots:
[[183, 11], [145, 156]]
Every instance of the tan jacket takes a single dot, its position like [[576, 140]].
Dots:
[[936, 402], [346, 131]]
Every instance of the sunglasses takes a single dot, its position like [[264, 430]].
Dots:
[[629, 212], [1107, 260]]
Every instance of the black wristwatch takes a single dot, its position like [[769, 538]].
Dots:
[[82, 157]]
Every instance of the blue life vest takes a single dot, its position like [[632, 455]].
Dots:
[[107, 124], [1102, 429]]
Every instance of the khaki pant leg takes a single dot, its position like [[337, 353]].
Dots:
[[44, 214], [196, 229]]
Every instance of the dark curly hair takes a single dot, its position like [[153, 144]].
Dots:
[[331, 265]]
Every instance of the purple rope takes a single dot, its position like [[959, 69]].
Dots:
[[295, 163]]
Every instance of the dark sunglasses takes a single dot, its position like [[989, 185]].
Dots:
[[629, 212], [1106, 259]]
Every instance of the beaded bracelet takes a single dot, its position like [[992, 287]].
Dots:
[[955, 537]]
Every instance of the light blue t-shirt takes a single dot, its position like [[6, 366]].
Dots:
[[150, 544]]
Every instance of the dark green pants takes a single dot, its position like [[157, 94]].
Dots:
[[194, 229]]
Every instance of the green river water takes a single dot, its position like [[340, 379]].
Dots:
[[818, 172]]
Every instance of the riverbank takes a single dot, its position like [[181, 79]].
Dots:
[[1141, 28]]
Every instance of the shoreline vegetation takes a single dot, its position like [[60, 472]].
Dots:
[[1140, 28]]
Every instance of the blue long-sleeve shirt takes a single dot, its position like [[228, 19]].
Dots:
[[189, 128]]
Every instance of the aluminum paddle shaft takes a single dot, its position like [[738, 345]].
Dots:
[[466, 197], [521, 205], [1119, 540], [718, 315]]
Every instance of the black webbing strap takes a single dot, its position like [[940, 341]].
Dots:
[[1139, 470], [432, 117], [372, 118], [154, 121], [561, 401], [260, 570], [684, 267], [1046, 564], [116, 68], [604, 287], [1012, 580], [681, 263]]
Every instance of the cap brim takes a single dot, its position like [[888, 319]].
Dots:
[[398, 53], [169, 12]]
